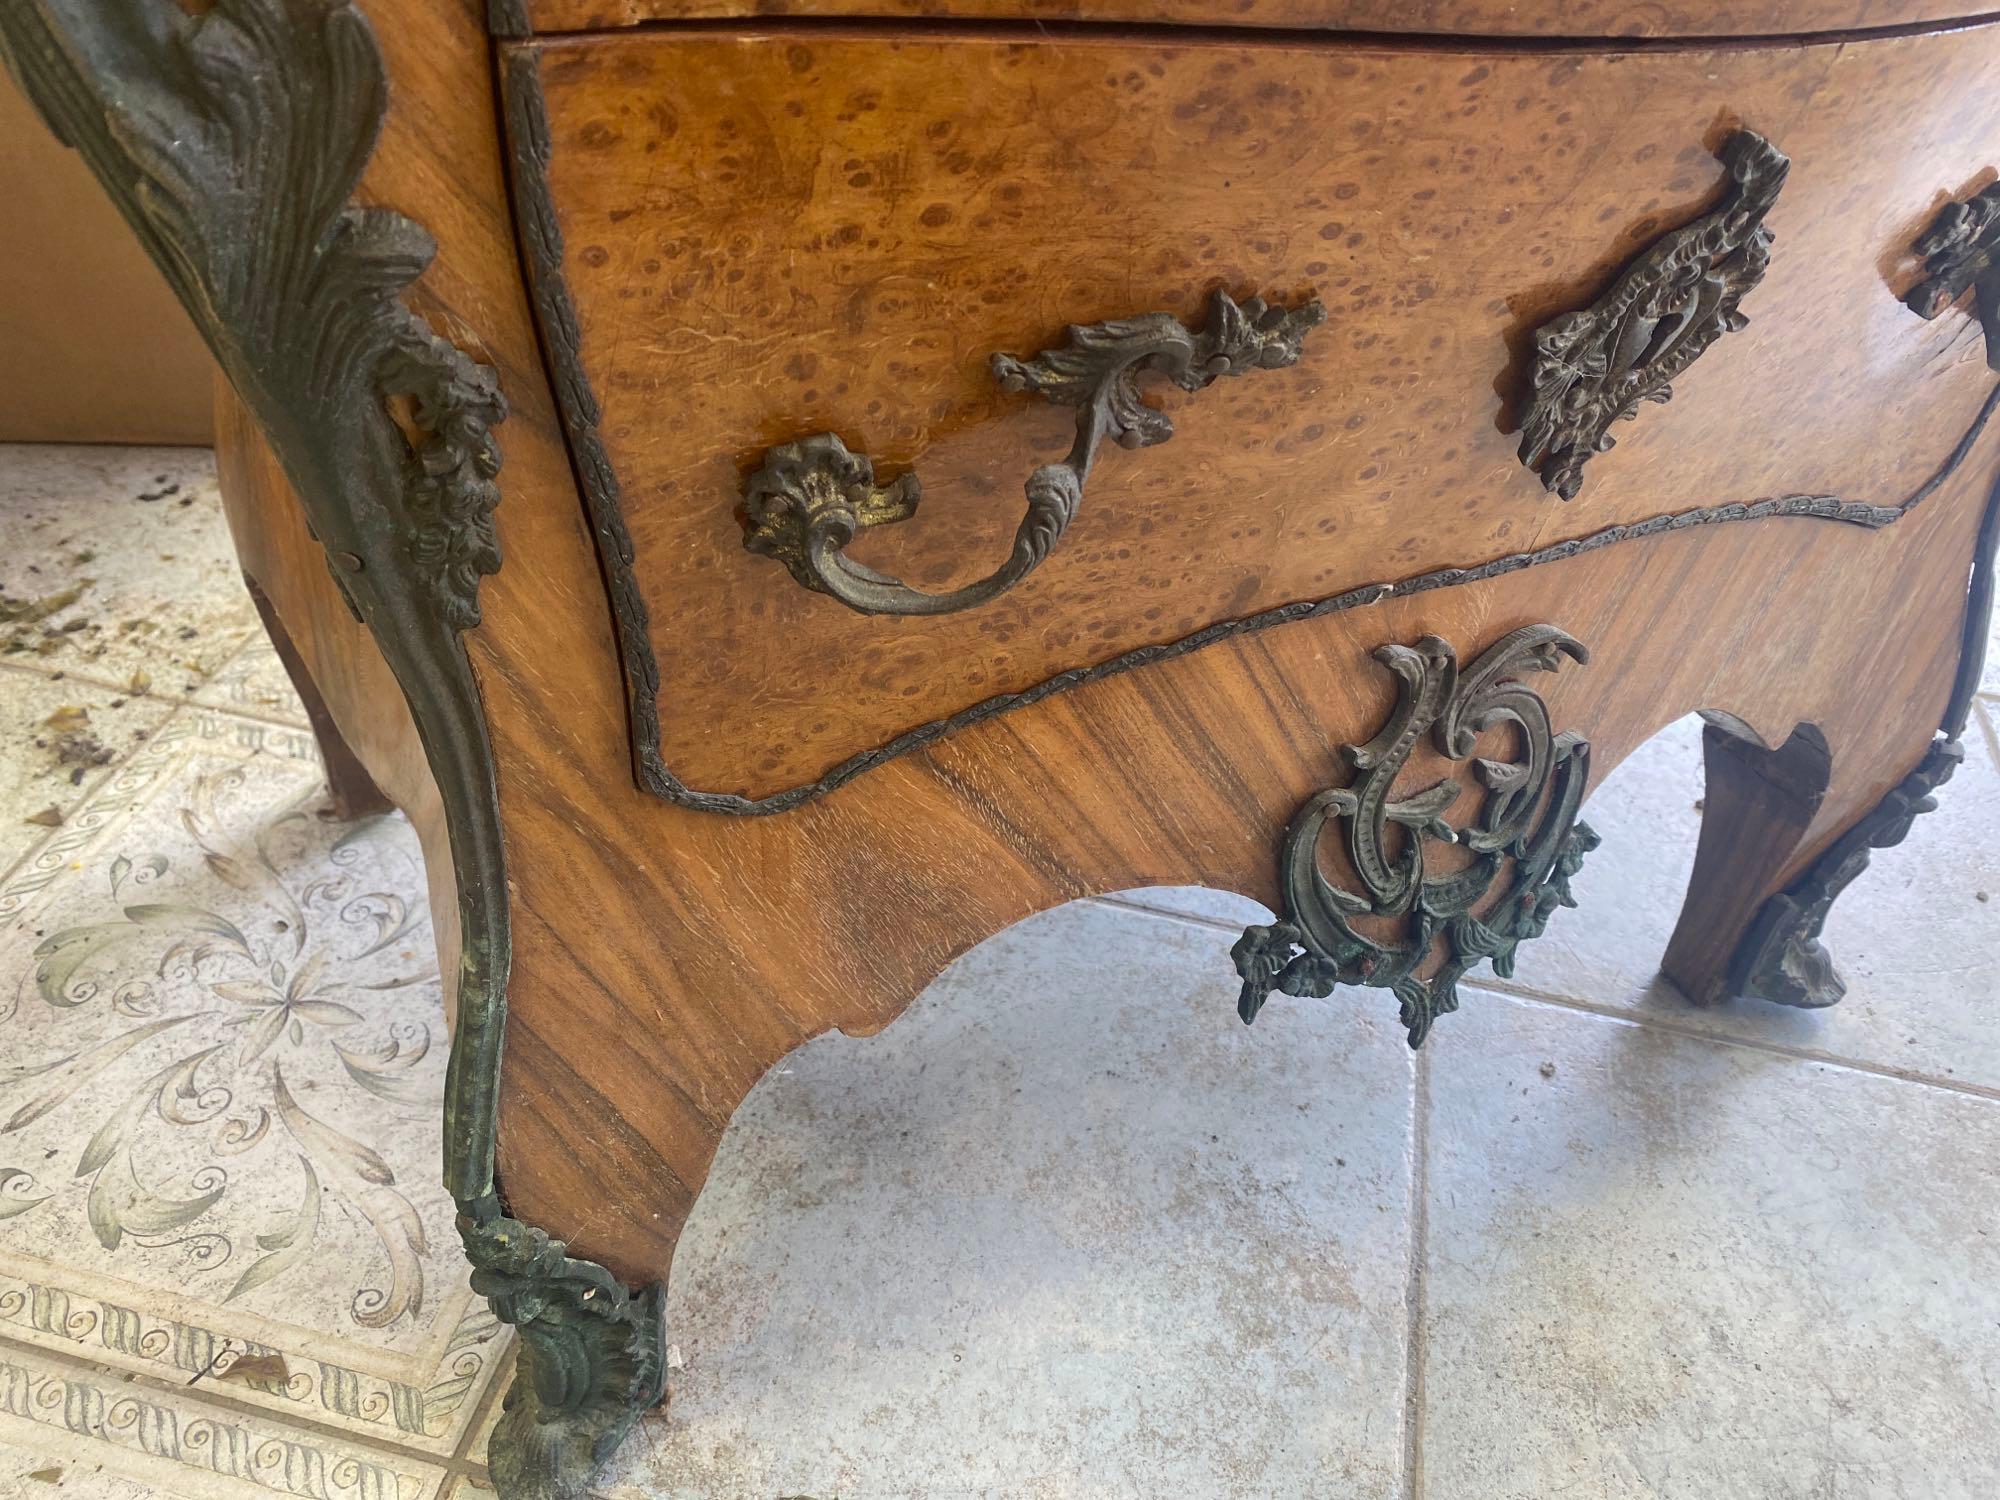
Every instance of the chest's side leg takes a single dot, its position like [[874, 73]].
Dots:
[[1757, 805], [1751, 923]]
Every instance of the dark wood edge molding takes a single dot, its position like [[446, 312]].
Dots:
[[868, 21], [508, 19], [232, 142], [555, 319]]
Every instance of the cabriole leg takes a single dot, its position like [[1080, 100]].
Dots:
[[1781, 957], [1757, 805], [1741, 934], [354, 792]]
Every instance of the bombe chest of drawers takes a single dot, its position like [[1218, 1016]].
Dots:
[[778, 497]]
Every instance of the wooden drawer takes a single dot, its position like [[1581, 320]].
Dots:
[[1496, 18], [738, 241]]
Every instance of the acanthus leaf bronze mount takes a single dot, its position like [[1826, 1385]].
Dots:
[[1523, 847]]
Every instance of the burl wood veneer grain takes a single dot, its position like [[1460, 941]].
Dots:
[[772, 235], [663, 958], [1495, 18]]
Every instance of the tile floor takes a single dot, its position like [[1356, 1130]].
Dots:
[[1066, 1230]]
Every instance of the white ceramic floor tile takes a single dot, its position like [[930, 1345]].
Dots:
[[1989, 681], [59, 740], [1663, 1268], [1199, 902], [1917, 937], [118, 562], [1068, 1228], [32, 1474], [220, 1111], [109, 1437], [254, 682]]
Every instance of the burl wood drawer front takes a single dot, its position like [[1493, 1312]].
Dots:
[[740, 241], [1523, 18]]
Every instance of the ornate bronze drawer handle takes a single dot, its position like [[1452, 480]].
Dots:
[[809, 498]]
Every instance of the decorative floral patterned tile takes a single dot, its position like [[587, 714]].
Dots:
[[72, 1431], [118, 566], [59, 741], [128, 783], [222, 1053]]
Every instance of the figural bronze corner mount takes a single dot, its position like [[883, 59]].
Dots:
[[1959, 249]]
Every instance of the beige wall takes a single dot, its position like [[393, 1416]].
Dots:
[[93, 347]]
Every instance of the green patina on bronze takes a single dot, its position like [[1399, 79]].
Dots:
[[1593, 367], [232, 142], [1960, 250], [1521, 849]]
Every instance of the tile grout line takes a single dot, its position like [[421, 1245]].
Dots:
[[177, 712], [241, 648], [249, 642], [1416, 1297], [500, 1378], [61, 674], [91, 679], [95, 787], [1517, 991], [267, 720], [209, 1395], [176, 705]]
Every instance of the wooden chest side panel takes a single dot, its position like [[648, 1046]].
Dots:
[[718, 943], [772, 235]]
